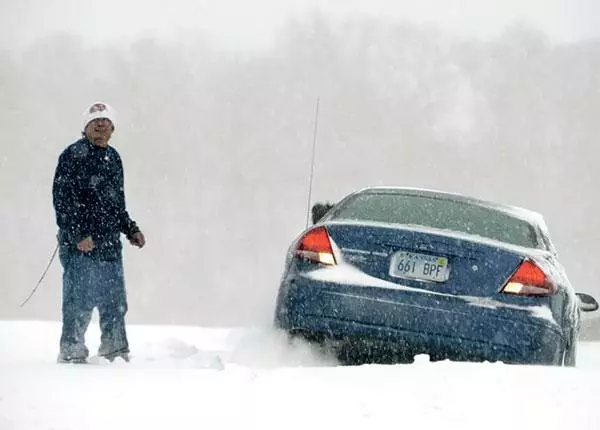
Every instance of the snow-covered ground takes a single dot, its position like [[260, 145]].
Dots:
[[198, 378]]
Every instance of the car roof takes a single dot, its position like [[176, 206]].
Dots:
[[532, 217]]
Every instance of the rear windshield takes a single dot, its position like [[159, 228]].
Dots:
[[439, 213]]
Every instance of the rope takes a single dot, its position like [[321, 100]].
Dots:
[[41, 278]]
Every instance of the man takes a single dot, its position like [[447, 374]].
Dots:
[[89, 200]]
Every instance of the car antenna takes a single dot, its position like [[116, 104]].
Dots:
[[312, 162]]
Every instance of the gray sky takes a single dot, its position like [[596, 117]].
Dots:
[[236, 128], [244, 24]]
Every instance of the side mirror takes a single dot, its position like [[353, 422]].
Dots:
[[587, 303], [319, 210]]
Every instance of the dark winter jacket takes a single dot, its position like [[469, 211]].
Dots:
[[89, 199]]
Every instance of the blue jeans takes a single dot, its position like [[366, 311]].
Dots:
[[90, 283]]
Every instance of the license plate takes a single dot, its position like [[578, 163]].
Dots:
[[423, 267]]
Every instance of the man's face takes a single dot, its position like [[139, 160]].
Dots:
[[99, 130]]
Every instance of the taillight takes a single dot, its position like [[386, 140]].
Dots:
[[315, 246], [529, 280]]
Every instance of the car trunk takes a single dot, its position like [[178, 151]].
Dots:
[[425, 259]]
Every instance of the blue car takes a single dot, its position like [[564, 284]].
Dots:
[[388, 273]]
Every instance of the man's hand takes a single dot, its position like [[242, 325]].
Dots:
[[138, 239], [86, 245]]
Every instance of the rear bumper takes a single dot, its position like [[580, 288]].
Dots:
[[400, 324]]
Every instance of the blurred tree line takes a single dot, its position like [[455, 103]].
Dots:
[[217, 145]]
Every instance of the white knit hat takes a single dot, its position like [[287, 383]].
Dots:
[[99, 110]]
